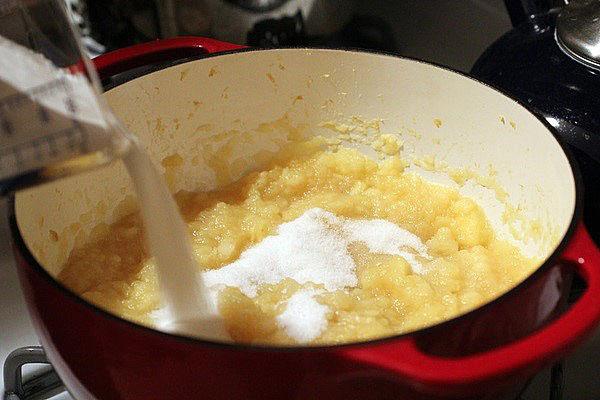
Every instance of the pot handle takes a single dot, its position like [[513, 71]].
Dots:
[[121, 60], [407, 361]]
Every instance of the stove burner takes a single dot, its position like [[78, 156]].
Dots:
[[43, 385]]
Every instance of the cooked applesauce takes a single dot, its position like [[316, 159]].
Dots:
[[466, 265]]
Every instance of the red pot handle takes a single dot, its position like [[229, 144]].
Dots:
[[456, 375], [138, 55]]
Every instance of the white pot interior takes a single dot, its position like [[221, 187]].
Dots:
[[438, 114]]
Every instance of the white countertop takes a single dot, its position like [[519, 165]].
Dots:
[[582, 369]]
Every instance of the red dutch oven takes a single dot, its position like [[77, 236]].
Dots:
[[173, 93]]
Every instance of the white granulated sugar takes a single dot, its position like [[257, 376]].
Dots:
[[209, 326], [382, 236], [305, 250], [304, 318], [385, 237], [313, 248]]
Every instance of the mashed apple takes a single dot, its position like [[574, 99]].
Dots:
[[465, 265]]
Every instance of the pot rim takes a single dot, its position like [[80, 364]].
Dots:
[[20, 245]]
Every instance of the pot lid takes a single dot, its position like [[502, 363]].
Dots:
[[578, 31]]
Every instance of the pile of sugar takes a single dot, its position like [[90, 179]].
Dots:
[[304, 317], [313, 248]]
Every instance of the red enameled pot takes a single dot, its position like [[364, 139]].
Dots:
[[165, 91]]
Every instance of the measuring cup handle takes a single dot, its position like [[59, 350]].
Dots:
[[125, 59]]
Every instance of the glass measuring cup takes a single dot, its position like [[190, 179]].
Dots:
[[53, 122]]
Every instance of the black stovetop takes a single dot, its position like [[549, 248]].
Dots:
[[527, 64]]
